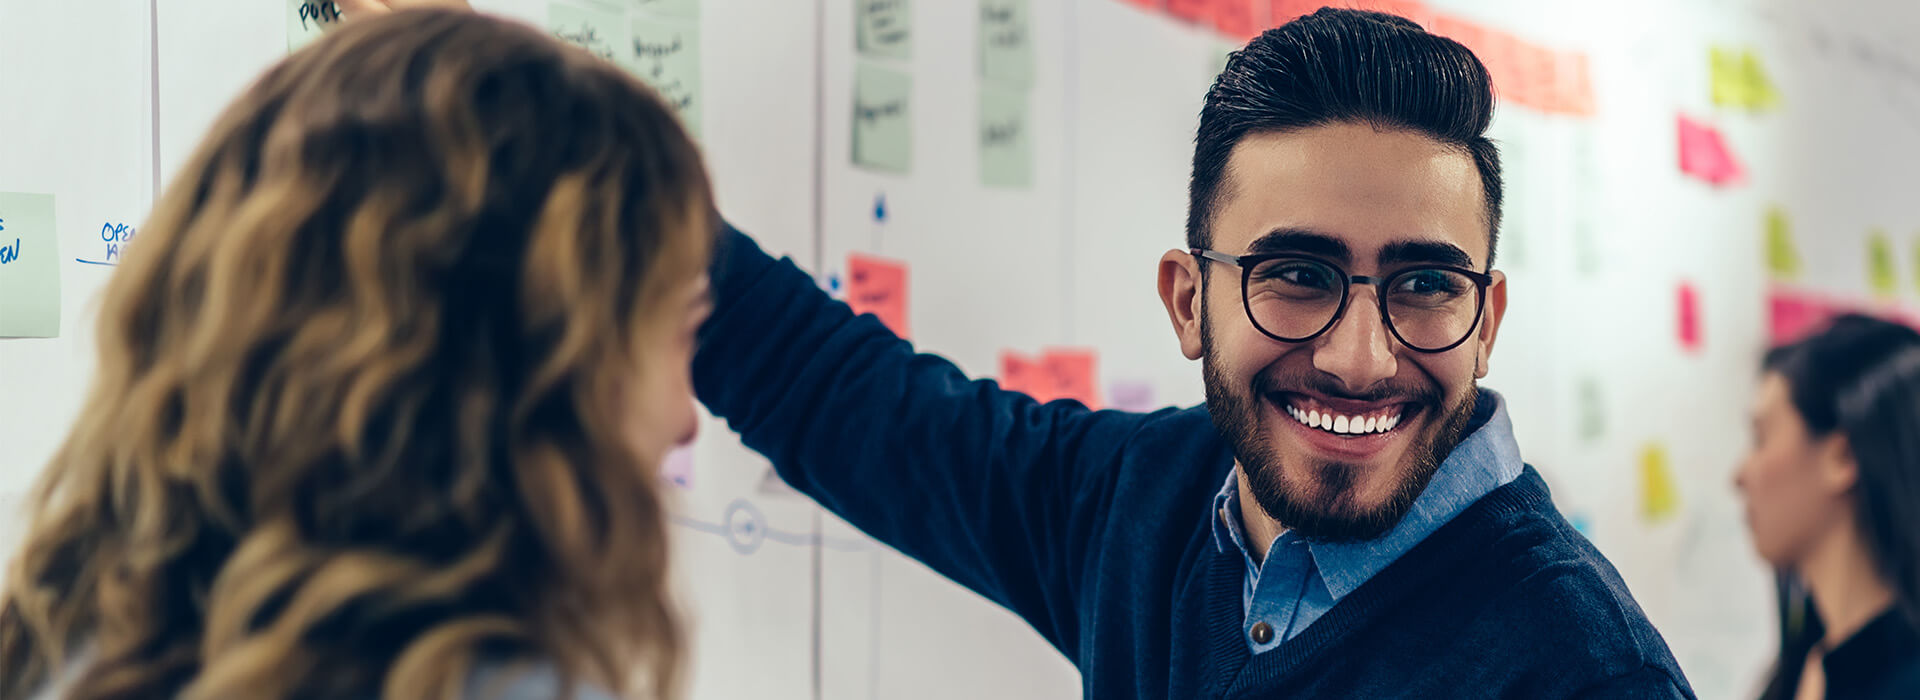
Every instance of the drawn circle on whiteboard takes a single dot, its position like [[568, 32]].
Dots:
[[746, 526]]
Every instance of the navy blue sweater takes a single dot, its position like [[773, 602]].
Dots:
[[1093, 525]]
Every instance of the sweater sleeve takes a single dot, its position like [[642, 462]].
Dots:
[[993, 490], [1645, 683]]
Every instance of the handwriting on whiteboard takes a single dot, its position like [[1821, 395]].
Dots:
[[318, 14], [116, 237]]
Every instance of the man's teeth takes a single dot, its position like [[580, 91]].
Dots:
[[1378, 422]]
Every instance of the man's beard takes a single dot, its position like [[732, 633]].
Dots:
[[1334, 516]]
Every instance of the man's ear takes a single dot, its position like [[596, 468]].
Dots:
[[1496, 309], [1180, 291]]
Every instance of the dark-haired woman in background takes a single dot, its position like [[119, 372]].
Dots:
[[1833, 500]]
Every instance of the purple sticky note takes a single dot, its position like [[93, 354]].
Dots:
[[1136, 397], [678, 467]]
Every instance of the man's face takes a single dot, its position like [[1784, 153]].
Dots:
[[1374, 202]]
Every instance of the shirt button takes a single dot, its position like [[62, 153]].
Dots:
[[1262, 633]]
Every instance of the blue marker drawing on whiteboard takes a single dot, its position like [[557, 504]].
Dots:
[[116, 237], [9, 253], [879, 218]]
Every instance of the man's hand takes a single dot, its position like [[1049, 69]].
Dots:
[[369, 8]]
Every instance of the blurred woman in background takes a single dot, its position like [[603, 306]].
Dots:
[[1832, 487], [382, 390]]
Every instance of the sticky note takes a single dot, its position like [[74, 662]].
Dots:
[[878, 286], [1572, 85], [1792, 315], [1738, 80], [686, 9], [882, 118], [1022, 373], [29, 267], [602, 32], [1238, 19], [1006, 138], [1134, 396], [1191, 10], [884, 28], [1659, 495], [1592, 411], [1688, 314], [1704, 154], [1073, 374], [1783, 259], [307, 20], [1880, 267], [1006, 42], [665, 55], [677, 468]]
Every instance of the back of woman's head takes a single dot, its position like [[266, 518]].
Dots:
[[1861, 378], [361, 410]]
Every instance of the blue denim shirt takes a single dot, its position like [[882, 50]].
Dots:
[[1302, 579]]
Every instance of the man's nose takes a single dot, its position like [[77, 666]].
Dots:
[[1358, 350]]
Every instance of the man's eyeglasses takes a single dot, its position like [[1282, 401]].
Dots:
[[1294, 298]]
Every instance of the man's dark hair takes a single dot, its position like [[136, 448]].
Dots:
[[1336, 66]]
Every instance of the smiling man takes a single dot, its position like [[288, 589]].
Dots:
[[1348, 516]]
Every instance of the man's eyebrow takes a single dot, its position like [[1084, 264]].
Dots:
[[1424, 252], [1299, 240]]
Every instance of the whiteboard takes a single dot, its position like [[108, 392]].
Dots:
[[787, 601]]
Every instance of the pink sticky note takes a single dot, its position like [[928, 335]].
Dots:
[[1021, 373], [1535, 65], [1131, 396], [878, 286], [1792, 314], [1704, 154], [1689, 318], [1237, 18], [1072, 374], [1191, 10], [678, 467]]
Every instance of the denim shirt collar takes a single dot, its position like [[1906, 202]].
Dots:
[[1487, 459]]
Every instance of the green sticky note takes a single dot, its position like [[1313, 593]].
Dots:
[[599, 30], [307, 20], [1738, 80], [884, 28], [1880, 270], [29, 267], [666, 55], [684, 9], [1006, 42], [1006, 138], [1783, 259], [882, 119], [1593, 412]]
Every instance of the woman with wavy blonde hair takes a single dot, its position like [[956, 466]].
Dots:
[[382, 390]]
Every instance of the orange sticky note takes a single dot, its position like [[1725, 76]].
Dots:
[[1410, 9], [1535, 66], [1020, 373], [878, 286], [1191, 10], [1572, 87], [1072, 374], [1237, 18], [1284, 11]]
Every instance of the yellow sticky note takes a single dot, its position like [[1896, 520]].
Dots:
[[1660, 497], [1738, 80], [1783, 259], [1880, 268]]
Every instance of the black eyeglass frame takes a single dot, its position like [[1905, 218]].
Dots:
[[1246, 263]]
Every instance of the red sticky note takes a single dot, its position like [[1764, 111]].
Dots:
[[1535, 66], [1021, 373], [1284, 11], [1792, 315], [1704, 154], [1689, 317], [1191, 10], [1410, 9], [1500, 52], [1072, 375], [1237, 18], [878, 286]]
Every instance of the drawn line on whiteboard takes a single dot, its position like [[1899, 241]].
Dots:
[[96, 262], [745, 527]]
